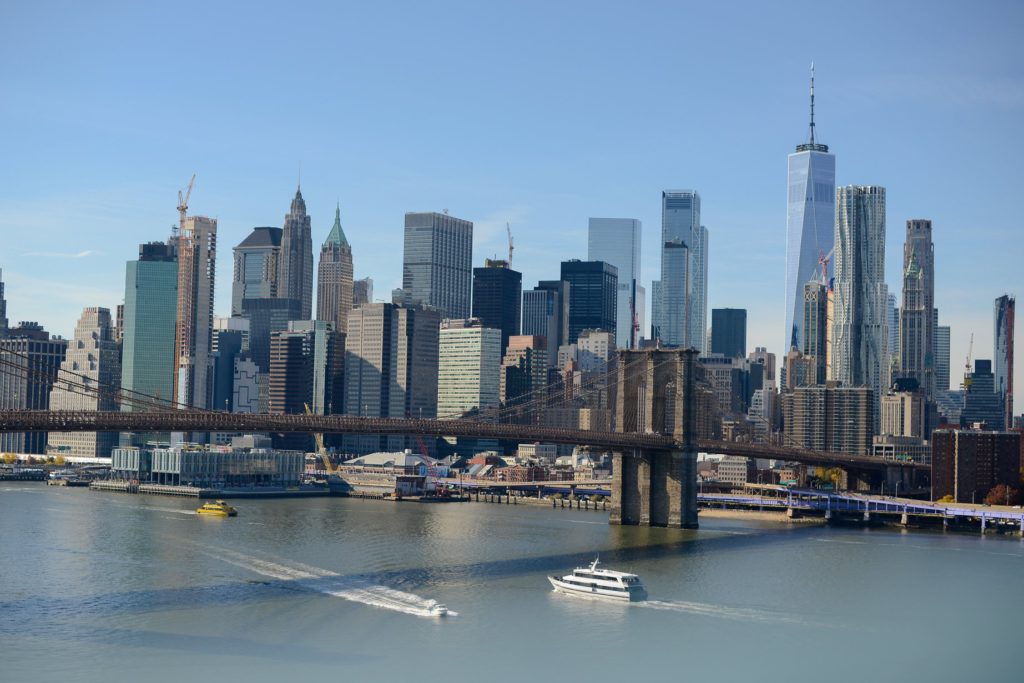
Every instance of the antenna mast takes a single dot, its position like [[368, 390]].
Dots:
[[812, 103]]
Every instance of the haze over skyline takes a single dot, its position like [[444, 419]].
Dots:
[[538, 115]]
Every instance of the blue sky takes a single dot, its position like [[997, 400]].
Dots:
[[536, 113]]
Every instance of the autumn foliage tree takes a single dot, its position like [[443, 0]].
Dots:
[[1001, 494]]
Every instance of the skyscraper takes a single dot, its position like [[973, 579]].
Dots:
[[1003, 353], [295, 265], [729, 332], [468, 370], [32, 359], [617, 241], [593, 296], [680, 296], [917, 314], [147, 345], [546, 314], [437, 266], [497, 298], [524, 370], [860, 354], [982, 403], [256, 265], [815, 327], [391, 367], [334, 278], [197, 256], [810, 220], [892, 312], [92, 359], [941, 358], [362, 292]]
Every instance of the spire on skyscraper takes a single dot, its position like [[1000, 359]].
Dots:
[[337, 235], [298, 203], [811, 145]]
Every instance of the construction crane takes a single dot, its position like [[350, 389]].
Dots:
[[967, 365], [183, 203], [508, 229]]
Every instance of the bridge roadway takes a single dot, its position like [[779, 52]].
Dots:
[[212, 421]]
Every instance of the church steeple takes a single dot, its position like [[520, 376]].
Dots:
[[337, 235]]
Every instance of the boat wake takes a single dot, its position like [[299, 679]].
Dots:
[[317, 580], [704, 609]]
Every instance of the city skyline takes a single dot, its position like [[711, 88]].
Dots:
[[549, 216]]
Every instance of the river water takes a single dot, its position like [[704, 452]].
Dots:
[[114, 587]]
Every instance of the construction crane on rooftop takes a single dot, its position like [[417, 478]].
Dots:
[[508, 229], [967, 365], [183, 203]]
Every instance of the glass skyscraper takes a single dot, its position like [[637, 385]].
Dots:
[[810, 222], [437, 267], [617, 241], [150, 300], [256, 267], [681, 296]]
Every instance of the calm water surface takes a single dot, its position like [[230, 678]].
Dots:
[[113, 587]]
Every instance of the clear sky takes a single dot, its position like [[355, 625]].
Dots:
[[536, 113]]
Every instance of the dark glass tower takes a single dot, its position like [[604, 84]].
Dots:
[[729, 332], [497, 296], [593, 296]]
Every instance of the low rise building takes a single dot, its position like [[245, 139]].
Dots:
[[207, 466], [737, 470]]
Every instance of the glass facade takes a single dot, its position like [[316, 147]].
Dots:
[[617, 241], [256, 265], [150, 300], [497, 297], [592, 296], [468, 370], [681, 302], [810, 226], [437, 265]]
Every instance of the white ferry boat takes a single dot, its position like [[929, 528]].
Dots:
[[600, 583]]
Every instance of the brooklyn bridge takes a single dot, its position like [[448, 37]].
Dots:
[[654, 443]]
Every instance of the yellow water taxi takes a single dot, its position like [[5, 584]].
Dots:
[[217, 508]]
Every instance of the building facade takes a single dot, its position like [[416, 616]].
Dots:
[[147, 343], [680, 296], [295, 265], [1002, 365], [90, 372], [197, 260], [829, 418], [593, 296], [981, 402], [815, 329], [941, 358], [729, 332], [391, 368], [362, 291], [860, 339], [917, 314], [967, 464], [617, 241], [468, 368], [31, 360], [546, 314], [437, 266], [256, 265], [334, 292], [497, 298], [810, 221]]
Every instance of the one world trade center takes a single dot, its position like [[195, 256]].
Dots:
[[810, 225]]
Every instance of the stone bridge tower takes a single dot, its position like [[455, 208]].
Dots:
[[656, 393]]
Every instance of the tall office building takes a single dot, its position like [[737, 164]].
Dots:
[[761, 355], [391, 367], [593, 287], [256, 265], [468, 368], [3, 306], [306, 369], [497, 297], [941, 358], [982, 403], [680, 296], [829, 418], [197, 256], [810, 220], [546, 314], [860, 340], [729, 332], [892, 313], [362, 292], [524, 370], [334, 278], [267, 316], [437, 266], [1003, 354], [815, 327], [617, 241], [93, 360], [295, 265], [31, 360], [147, 345], [917, 314]]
